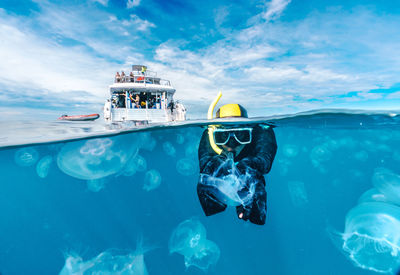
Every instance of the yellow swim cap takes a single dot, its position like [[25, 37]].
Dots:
[[231, 110]]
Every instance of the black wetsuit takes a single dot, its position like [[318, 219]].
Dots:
[[256, 159]]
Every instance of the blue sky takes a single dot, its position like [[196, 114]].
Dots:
[[273, 56]]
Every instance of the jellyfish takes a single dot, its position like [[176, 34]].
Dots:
[[26, 156], [189, 239], [152, 180], [169, 149], [96, 185], [147, 141], [388, 183], [372, 195], [186, 167], [206, 254], [180, 139], [43, 166], [191, 151], [187, 235], [290, 150], [320, 154], [108, 262], [96, 158], [298, 193], [371, 238], [137, 163]]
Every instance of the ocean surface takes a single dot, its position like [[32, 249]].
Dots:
[[90, 198]]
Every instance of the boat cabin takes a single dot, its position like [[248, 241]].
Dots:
[[142, 96]]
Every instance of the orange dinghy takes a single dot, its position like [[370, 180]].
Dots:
[[79, 117]]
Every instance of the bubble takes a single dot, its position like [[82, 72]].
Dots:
[[371, 239], [96, 185], [361, 156], [388, 183], [26, 156], [290, 150], [186, 167], [96, 158], [43, 166], [152, 180], [108, 262], [298, 193], [169, 149]]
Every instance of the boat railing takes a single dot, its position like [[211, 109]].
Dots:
[[142, 79]]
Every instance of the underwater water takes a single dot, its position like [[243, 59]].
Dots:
[[127, 204]]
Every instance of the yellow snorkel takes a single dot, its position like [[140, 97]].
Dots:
[[211, 128]]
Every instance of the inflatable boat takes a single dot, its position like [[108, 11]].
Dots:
[[79, 117]]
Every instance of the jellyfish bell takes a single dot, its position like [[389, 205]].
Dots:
[[388, 183], [206, 254], [26, 156], [371, 239], [96, 158], [186, 237], [373, 195]]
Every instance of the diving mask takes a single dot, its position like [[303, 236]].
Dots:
[[242, 135]]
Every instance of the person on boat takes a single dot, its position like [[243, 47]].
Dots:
[[117, 77], [131, 77], [122, 76], [233, 161]]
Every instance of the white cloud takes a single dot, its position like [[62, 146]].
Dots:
[[102, 2], [138, 23], [132, 3], [275, 9]]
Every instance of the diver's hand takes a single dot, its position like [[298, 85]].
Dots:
[[244, 166]]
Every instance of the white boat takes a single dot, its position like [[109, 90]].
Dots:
[[141, 96]]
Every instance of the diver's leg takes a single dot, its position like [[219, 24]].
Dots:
[[210, 204]]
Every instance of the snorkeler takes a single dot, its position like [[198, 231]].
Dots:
[[233, 161]]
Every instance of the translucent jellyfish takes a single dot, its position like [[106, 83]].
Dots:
[[43, 166], [290, 150], [372, 195], [371, 239], [186, 167], [96, 158], [361, 156], [189, 240], [152, 180], [320, 154], [108, 262], [206, 254], [191, 151], [136, 164], [180, 139], [388, 183], [26, 156], [96, 185], [187, 235], [169, 149], [298, 193], [147, 141]]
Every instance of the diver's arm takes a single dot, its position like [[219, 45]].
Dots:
[[263, 152], [208, 159]]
